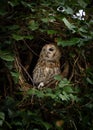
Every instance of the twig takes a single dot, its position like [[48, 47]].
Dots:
[[73, 69], [26, 73], [73, 124], [30, 48]]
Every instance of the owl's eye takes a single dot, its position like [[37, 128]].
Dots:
[[51, 49]]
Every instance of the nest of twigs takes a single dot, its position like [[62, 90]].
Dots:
[[74, 62]]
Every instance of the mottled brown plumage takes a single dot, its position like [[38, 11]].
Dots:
[[48, 65]]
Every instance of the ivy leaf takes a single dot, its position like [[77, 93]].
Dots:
[[14, 27], [82, 3], [89, 81], [68, 89], [17, 37], [51, 18], [33, 25], [46, 125], [64, 96], [45, 20], [63, 83], [15, 76], [74, 98], [29, 37], [51, 32], [2, 118], [58, 77], [36, 92], [26, 4], [50, 95], [72, 41], [68, 10], [69, 25], [6, 56], [2, 12], [82, 30], [13, 3]]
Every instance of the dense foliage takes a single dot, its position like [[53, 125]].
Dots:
[[25, 26]]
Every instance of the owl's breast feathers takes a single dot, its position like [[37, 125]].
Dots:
[[50, 64], [45, 71]]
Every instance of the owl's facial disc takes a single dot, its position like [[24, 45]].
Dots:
[[50, 52]]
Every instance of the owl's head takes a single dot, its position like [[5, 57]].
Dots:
[[50, 52]]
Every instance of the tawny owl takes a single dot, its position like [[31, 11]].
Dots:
[[48, 65]]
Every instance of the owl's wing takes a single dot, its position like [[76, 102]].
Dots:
[[44, 74], [51, 73]]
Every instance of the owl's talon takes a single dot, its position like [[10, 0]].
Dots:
[[40, 85]]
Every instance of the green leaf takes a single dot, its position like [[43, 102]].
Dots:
[[29, 37], [51, 32], [13, 3], [58, 77], [51, 18], [2, 118], [82, 29], [45, 20], [42, 123], [32, 91], [68, 10], [33, 25], [13, 27], [89, 81], [46, 125], [72, 41], [17, 37], [69, 25], [36, 92], [72, 97], [64, 96], [15, 76], [63, 83], [2, 12], [26, 4], [68, 89], [6, 56], [53, 96], [82, 3]]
